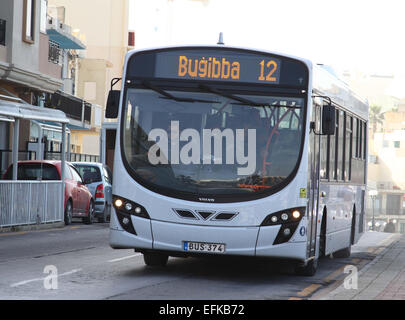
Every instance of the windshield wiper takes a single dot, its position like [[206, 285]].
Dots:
[[171, 97], [242, 101], [230, 96]]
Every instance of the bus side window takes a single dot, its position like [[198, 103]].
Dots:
[[335, 168], [360, 140], [341, 141], [364, 140], [354, 149], [348, 147], [332, 154]]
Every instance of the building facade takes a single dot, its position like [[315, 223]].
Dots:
[[106, 41], [38, 64]]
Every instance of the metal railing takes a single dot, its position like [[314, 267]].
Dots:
[[54, 53], [30, 202], [77, 157], [74, 157]]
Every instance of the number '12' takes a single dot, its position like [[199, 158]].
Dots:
[[270, 67]]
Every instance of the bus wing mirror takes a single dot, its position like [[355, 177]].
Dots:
[[113, 101], [328, 120]]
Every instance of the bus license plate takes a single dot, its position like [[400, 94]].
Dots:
[[204, 247]]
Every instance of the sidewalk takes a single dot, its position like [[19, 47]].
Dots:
[[381, 279]]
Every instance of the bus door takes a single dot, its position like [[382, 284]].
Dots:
[[314, 161]]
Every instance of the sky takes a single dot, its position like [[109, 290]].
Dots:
[[347, 34]]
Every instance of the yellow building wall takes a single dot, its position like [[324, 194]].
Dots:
[[104, 25]]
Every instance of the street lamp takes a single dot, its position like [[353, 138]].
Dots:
[[373, 194]]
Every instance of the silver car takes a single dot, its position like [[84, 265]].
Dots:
[[100, 186]]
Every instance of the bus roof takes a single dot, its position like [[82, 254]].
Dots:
[[326, 83]]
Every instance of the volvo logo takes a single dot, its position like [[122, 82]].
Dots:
[[205, 214], [207, 199]]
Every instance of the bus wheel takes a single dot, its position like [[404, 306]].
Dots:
[[343, 253], [155, 259], [308, 270]]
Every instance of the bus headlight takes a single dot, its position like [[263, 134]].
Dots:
[[118, 203], [129, 207], [284, 216], [296, 214], [288, 220]]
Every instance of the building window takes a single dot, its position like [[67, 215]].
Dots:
[[385, 144], [29, 21], [2, 32], [42, 25], [54, 52], [397, 144]]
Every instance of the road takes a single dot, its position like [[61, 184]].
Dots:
[[87, 268]]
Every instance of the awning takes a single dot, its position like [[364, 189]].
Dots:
[[14, 108], [65, 40], [18, 110]]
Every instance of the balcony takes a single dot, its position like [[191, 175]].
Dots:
[[77, 110]]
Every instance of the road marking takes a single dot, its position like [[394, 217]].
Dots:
[[334, 275], [308, 290], [18, 233], [42, 279], [125, 258], [13, 234]]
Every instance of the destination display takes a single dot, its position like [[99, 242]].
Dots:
[[218, 65], [224, 67]]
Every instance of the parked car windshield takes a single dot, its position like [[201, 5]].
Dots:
[[89, 172], [34, 171]]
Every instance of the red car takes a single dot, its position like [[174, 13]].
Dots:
[[79, 202]]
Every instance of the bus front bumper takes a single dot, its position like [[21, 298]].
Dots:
[[170, 237]]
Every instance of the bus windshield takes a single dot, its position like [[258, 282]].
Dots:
[[211, 144]]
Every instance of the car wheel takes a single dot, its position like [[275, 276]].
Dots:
[[68, 213], [90, 218], [155, 259]]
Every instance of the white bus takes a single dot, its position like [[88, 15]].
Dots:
[[232, 151]]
